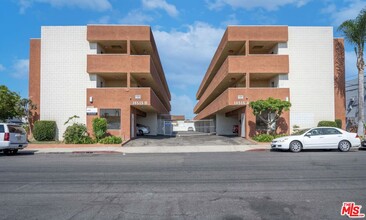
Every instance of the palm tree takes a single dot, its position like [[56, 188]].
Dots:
[[354, 31]]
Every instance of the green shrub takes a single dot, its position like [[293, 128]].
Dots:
[[111, 140], [327, 124], [99, 127], [267, 137], [339, 123], [263, 138], [77, 134], [44, 130]]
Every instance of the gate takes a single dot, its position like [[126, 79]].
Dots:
[[205, 126]]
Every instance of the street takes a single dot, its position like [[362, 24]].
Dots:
[[250, 185]]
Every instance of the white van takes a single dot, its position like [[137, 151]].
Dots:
[[12, 138]]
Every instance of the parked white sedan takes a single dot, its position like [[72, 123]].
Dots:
[[318, 138]]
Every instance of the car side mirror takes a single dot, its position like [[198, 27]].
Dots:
[[308, 135]]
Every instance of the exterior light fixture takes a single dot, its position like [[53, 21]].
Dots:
[[91, 99]]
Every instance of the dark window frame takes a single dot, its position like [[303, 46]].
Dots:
[[109, 127]]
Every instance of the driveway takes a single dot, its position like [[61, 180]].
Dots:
[[187, 139]]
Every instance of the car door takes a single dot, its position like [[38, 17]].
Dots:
[[332, 137], [314, 139]]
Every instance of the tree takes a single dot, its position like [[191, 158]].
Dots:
[[28, 111], [9, 104], [354, 31], [269, 111]]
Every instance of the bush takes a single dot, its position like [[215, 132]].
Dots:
[[267, 137], [99, 127], [44, 130], [111, 140], [339, 123], [77, 134], [327, 124], [263, 138]]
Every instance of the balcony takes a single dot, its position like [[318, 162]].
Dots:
[[234, 69], [141, 67], [234, 98], [143, 99]]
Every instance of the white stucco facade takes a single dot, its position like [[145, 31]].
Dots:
[[311, 75], [63, 74]]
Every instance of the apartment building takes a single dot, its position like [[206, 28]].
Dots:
[[108, 71], [303, 65]]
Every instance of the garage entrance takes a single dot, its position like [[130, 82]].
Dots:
[[194, 127]]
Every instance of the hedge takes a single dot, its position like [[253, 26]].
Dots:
[[327, 124], [267, 137], [339, 123], [111, 140], [44, 130]]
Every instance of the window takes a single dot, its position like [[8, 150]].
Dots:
[[330, 131], [261, 125], [16, 129], [315, 132], [2, 130], [113, 117]]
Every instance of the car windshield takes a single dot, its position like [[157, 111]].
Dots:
[[300, 132]]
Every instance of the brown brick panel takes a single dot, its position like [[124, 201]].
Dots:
[[35, 77], [108, 63], [258, 33], [208, 76], [259, 64], [161, 91], [156, 59], [219, 77], [218, 104], [339, 81], [157, 104], [117, 33]]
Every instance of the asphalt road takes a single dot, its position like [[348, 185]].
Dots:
[[252, 185]]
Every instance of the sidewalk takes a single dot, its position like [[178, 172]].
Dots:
[[63, 148]]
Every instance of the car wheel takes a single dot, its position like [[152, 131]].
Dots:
[[295, 146], [14, 151], [141, 132], [344, 146], [6, 152]]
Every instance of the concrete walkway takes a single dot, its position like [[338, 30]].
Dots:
[[145, 149]]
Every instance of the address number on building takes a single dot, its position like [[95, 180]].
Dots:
[[240, 103], [139, 103]]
